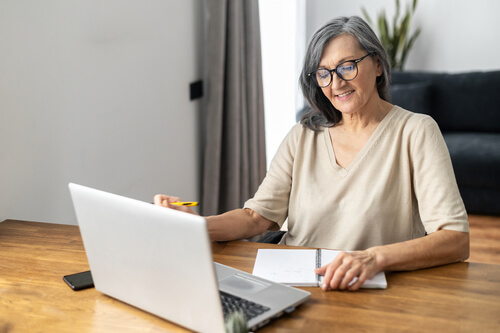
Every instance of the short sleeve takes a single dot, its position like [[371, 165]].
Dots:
[[439, 201], [272, 198]]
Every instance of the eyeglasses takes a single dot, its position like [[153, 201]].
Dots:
[[347, 71]]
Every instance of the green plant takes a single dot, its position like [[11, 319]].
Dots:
[[396, 41]]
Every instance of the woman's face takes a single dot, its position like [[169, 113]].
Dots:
[[357, 95]]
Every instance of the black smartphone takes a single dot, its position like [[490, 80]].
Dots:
[[79, 281]]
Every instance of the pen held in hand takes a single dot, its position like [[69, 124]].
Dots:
[[185, 203]]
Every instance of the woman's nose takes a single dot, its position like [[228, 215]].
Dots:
[[336, 82]]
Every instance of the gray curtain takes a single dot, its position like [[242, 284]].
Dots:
[[234, 145]]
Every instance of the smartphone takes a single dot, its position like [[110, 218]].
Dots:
[[79, 281]]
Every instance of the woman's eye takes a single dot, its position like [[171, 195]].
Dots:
[[345, 69], [324, 74]]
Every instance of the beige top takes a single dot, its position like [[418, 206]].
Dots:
[[400, 186]]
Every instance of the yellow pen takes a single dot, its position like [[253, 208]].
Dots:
[[185, 203]]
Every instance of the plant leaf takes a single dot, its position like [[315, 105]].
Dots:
[[414, 5], [383, 29], [396, 39], [396, 16], [409, 45], [403, 31], [367, 17], [385, 37]]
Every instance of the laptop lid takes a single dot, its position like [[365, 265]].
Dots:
[[157, 259], [160, 260]]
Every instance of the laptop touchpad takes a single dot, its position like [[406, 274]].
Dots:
[[239, 282]]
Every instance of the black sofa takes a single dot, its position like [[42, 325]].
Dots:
[[466, 107]]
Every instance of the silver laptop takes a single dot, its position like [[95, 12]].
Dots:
[[160, 260]]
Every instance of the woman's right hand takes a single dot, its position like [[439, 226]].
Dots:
[[166, 201]]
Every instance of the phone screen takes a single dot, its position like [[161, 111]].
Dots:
[[79, 281]]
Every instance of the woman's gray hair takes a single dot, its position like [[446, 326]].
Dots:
[[321, 111]]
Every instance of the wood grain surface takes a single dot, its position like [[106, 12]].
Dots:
[[462, 297], [484, 239]]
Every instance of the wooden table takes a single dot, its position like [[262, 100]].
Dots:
[[462, 297]]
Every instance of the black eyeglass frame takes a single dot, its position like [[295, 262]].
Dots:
[[331, 71]]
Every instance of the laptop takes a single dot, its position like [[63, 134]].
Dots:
[[160, 260]]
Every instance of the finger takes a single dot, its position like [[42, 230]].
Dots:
[[329, 271], [355, 285], [164, 200], [321, 270], [343, 263], [338, 277], [349, 277], [327, 278], [158, 199], [351, 273]]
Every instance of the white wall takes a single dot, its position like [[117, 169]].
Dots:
[[97, 92], [457, 35]]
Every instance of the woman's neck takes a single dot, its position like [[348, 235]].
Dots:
[[360, 121]]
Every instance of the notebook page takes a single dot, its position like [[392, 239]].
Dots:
[[292, 267]]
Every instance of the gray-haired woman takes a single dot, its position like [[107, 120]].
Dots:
[[357, 174]]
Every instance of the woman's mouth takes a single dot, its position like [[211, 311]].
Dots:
[[344, 96]]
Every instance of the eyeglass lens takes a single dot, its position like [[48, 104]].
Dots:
[[347, 71]]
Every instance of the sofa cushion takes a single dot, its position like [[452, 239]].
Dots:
[[464, 102], [476, 159], [484, 201], [415, 96]]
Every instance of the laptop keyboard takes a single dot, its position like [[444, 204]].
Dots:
[[231, 303]]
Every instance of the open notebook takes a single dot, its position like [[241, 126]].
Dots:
[[296, 267]]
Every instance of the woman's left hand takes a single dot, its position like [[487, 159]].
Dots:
[[346, 267]]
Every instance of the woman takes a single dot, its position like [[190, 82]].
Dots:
[[358, 174]]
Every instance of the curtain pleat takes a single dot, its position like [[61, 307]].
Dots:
[[234, 154]]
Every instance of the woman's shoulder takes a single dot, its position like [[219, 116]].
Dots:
[[412, 120], [300, 137], [299, 132], [415, 128]]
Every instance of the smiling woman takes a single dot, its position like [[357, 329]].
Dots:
[[346, 94], [358, 174], [326, 51]]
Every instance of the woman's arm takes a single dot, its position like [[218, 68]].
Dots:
[[235, 224], [439, 248], [238, 224]]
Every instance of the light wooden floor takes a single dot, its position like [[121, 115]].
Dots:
[[484, 239]]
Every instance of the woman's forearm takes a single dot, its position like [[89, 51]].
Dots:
[[237, 224], [439, 248]]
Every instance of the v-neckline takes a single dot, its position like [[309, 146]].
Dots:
[[344, 171]]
